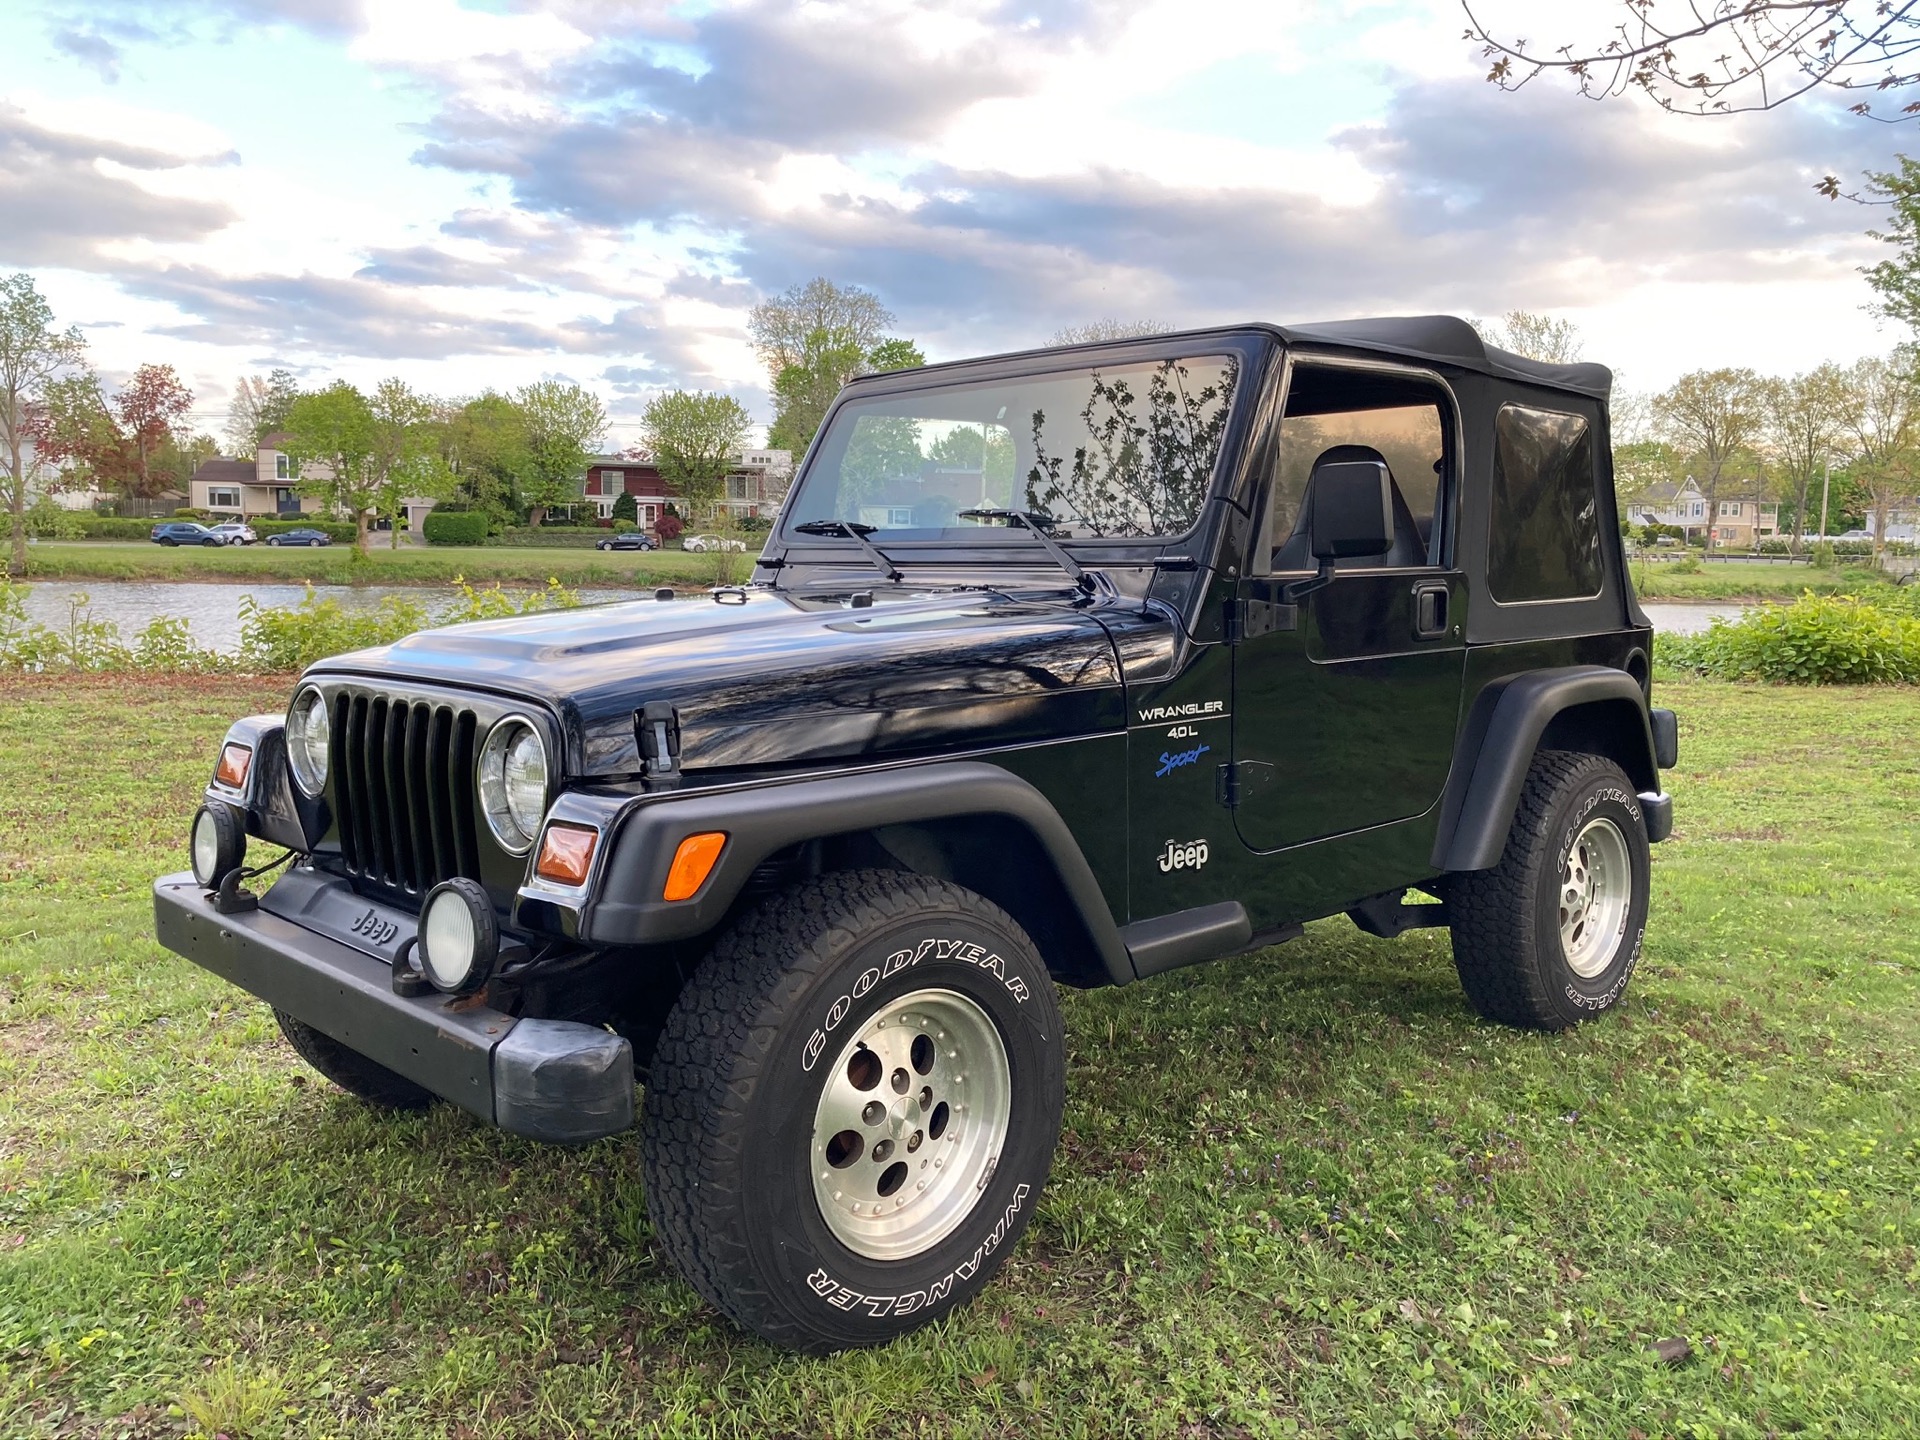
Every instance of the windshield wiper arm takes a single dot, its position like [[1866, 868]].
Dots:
[[1033, 521], [856, 533]]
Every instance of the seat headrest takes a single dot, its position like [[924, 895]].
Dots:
[[1347, 454]]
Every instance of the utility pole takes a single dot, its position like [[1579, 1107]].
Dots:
[[1826, 480]]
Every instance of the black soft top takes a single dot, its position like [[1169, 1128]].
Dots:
[[1449, 340]]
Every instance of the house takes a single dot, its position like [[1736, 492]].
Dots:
[[1738, 525], [756, 485], [266, 486]]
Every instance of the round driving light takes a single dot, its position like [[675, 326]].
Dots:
[[513, 784], [217, 843], [308, 731], [459, 937]]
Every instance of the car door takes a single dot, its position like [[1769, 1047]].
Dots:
[[1346, 698]]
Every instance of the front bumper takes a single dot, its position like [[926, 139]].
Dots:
[[550, 1080]]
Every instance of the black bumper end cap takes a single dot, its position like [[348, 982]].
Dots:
[[1658, 811], [562, 1082]]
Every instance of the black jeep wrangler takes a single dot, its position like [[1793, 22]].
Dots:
[[1062, 668]]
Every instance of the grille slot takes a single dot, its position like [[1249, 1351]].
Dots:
[[403, 788]]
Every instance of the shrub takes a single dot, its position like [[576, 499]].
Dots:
[[1685, 565], [754, 524], [47, 521], [668, 526], [624, 527], [1817, 640], [340, 532], [187, 512], [1822, 555], [625, 507], [456, 527]]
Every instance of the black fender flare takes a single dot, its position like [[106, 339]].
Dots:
[[1508, 722], [764, 819]]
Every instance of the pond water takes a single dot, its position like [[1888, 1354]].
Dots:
[[212, 612]]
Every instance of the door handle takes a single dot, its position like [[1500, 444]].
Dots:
[[1430, 607]]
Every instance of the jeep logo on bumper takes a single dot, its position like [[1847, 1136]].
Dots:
[[375, 927]]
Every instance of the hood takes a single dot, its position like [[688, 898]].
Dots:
[[778, 679]]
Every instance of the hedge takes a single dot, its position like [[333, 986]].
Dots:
[[556, 537], [455, 527], [113, 527]]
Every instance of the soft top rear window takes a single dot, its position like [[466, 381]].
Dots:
[[1106, 451], [1544, 538]]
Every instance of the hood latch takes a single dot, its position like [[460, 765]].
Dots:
[[656, 725]]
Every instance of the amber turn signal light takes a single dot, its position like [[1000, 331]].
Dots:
[[566, 853], [232, 769], [692, 863]]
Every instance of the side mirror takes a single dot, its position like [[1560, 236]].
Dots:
[[1352, 510]]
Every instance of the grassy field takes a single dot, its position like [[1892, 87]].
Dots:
[[1733, 580], [335, 565], [1303, 1191]]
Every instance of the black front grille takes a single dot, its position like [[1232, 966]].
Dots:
[[403, 787]]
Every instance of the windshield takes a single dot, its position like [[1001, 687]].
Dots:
[[1115, 450]]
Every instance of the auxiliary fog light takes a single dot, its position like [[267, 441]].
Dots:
[[217, 843], [459, 937]]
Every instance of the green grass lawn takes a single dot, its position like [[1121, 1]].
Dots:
[[335, 565], [1300, 1191], [1735, 580]]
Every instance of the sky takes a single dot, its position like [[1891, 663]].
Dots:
[[480, 193]]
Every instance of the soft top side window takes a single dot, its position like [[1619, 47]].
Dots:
[[1543, 539], [1336, 414]]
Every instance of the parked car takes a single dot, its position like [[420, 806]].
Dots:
[[628, 540], [235, 532], [700, 544], [185, 532], [812, 854], [302, 536]]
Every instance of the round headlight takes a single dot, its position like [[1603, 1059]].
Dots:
[[513, 784], [217, 844], [459, 937], [308, 731]]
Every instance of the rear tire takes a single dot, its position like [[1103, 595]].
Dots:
[[852, 1108], [1551, 935], [350, 1070]]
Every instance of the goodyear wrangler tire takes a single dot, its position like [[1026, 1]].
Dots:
[[853, 1107], [1551, 935]]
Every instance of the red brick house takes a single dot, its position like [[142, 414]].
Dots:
[[755, 487]]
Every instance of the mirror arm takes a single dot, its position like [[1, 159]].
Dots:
[[1300, 589]]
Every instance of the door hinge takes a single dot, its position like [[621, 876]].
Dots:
[[1238, 781], [1250, 619]]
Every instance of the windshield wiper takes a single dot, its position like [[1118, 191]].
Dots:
[[858, 534], [1033, 520]]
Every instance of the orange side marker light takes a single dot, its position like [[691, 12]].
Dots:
[[566, 853], [232, 769], [692, 863]]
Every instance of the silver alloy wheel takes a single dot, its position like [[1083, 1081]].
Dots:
[[1596, 894], [912, 1118]]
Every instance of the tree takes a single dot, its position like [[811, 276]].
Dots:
[[564, 426], [1720, 57], [1107, 328], [484, 444], [1804, 422], [784, 327], [404, 459], [626, 508], [1882, 419], [259, 406], [1536, 336], [814, 339], [1897, 280], [330, 439], [33, 355], [1712, 414], [1640, 465], [695, 439], [150, 408]]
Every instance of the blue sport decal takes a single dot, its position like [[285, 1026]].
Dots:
[[1171, 763]]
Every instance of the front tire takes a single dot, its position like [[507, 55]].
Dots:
[[350, 1070], [1551, 935], [853, 1107]]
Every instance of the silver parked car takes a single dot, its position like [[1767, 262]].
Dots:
[[235, 532]]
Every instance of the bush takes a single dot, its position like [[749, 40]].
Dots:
[[1817, 640], [1772, 546], [340, 532], [187, 512], [47, 521], [625, 507], [454, 527], [754, 524], [1822, 555], [668, 526], [624, 527]]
